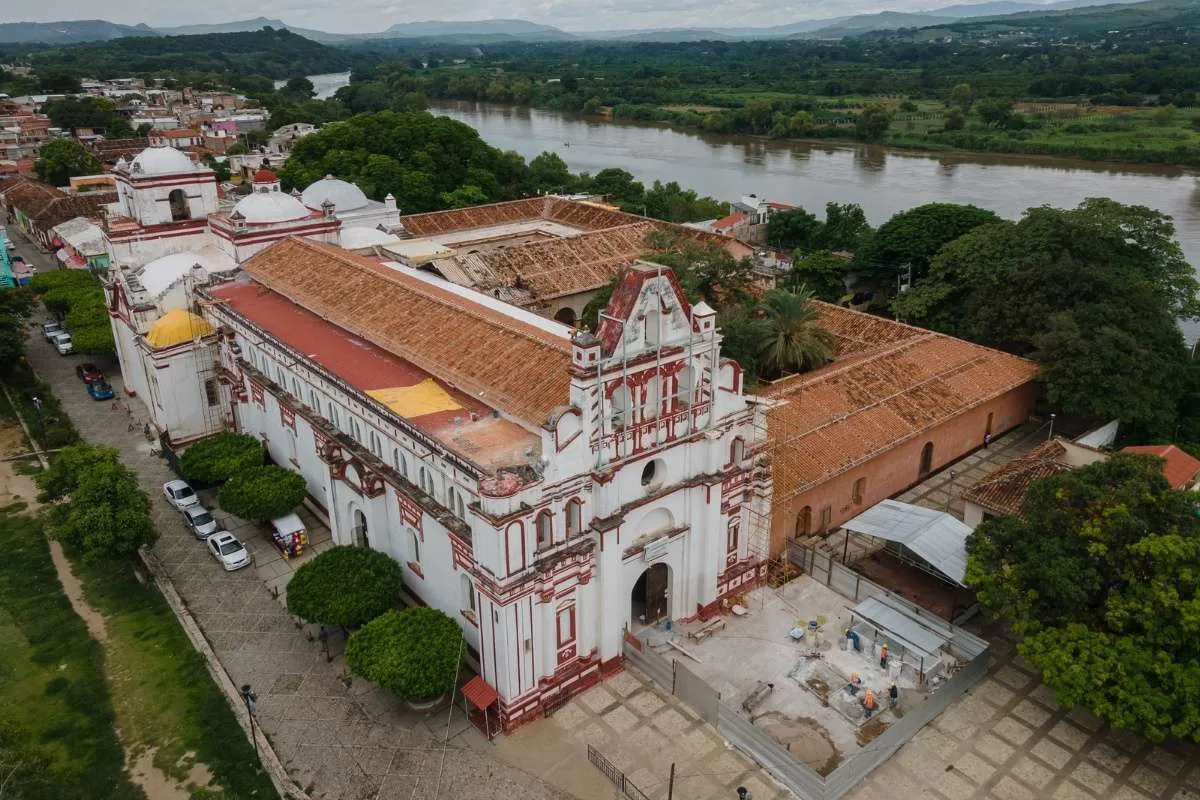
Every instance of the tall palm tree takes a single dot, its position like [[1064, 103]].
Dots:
[[793, 339]]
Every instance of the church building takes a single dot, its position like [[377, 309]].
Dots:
[[547, 488]]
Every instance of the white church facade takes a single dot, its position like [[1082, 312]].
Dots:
[[546, 488]]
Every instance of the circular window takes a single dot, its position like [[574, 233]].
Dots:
[[653, 474]]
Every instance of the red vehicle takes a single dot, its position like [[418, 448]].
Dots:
[[89, 372]]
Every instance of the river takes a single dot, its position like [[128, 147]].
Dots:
[[325, 84], [810, 174]]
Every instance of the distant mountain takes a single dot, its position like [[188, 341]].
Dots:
[[883, 21], [1002, 7], [69, 32], [515, 28], [243, 26]]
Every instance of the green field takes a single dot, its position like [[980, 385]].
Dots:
[[58, 720]]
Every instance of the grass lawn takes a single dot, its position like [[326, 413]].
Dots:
[[58, 721], [161, 689]]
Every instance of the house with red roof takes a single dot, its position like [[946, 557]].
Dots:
[[1180, 469]]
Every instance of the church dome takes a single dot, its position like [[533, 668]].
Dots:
[[344, 195], [162, 161], [264, 207], [176, 327]]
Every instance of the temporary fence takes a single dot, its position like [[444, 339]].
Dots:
[[676, 678]]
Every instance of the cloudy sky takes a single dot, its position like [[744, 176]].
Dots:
[[357, 16]]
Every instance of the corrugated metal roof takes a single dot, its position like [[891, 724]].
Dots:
[[935, 536], [903, 628]]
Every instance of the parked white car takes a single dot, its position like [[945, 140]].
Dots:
[[51, 329], [62, 343], [200, 521], [180, 495], [226, 549]]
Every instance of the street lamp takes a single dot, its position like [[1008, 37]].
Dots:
[[251, 700]]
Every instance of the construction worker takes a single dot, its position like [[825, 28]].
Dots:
[[869, 703], [893, 695], [883, 656]]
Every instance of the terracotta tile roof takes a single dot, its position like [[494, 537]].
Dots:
[[48, 206], [730, 220], [557, 267], [891, 382], [482, 351], [1180, 469], [1003, 491]]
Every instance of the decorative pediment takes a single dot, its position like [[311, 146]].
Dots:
[[648, 311]]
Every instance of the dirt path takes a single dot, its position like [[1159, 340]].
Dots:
[[16, 487]]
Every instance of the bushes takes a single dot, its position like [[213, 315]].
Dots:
[[412, 653], [262, 493], [217, 459], [345, 586]]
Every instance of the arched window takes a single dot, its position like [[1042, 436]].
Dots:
[[926, 459], [313, 402], [574, 515], [414, 547], [423, 480], [804, 521], [455, 503], [296, 388], [545, 530], [179, 205], [653, 402], [376, 444], [737, 451], [355, 431], [685, 382], [468, 594], [333, 416], [620, 407], [400, 462], [566, 316]]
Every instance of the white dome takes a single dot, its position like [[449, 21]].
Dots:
[[162, 161], [260, 207], [344, 195], [158, 275]]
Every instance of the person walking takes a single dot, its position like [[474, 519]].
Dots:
[[883, 656], [987, 440], [893, 695]]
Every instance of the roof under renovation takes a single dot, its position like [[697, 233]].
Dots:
[[530, 252], [935, 536]]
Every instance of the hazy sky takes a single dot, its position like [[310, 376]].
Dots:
[[357, 16]]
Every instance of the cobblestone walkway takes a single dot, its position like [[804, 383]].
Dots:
[[1007, 739], [339, 742]]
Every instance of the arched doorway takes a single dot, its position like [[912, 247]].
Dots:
[[359, 531], [648, 601], [566, 316], [926, 459], [179, 205]]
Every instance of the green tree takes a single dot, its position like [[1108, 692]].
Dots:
[[413, 653], [994, 113], [298, 88], [911, 238], [1091, 293], [793, 229], [345, 587], [218, 458], [549, 173], [98, 506], [872, 123], [262, 493], [845, 228], [1098, 574], [822, 272], [63, 159], [956, 120], [962, 97], [463, 197], [221, 168], [619, 185], [795, 340], [16, 304], [1165, 115]]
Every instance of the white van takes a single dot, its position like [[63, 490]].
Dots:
[[62, 343]]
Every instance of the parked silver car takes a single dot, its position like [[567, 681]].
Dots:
[[200, 521], [180, 495], [226, 549]]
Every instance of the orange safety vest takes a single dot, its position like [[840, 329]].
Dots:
[[869, 699]]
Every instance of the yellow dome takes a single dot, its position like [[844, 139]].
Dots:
[[176, 327]]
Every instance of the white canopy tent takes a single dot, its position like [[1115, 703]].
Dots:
[[935, 537]]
